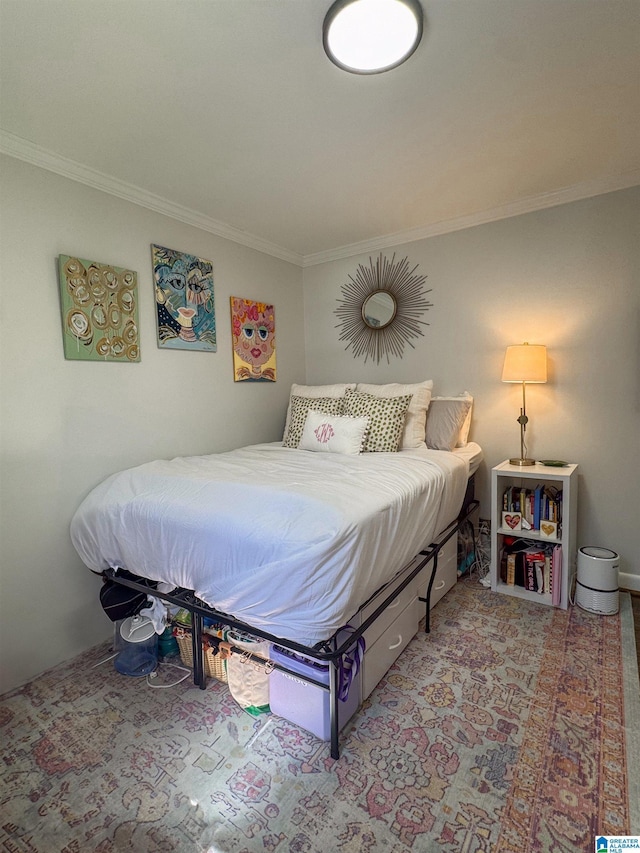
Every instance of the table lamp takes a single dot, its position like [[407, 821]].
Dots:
[[524, 363]]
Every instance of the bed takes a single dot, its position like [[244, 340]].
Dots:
[[282, 542]]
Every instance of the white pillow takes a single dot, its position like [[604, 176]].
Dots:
[[333, 433], [463, 438], [445, 421], [413, 435], [336, 390]]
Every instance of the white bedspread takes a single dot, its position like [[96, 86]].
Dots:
[[289, 541]]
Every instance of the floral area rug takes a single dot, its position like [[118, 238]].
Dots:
[[503, 730]]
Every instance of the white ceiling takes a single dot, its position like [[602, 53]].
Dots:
[[228, 114]]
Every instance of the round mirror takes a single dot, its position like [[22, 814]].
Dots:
[[379, 309]]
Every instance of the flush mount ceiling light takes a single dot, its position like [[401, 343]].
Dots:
[[370, 36]]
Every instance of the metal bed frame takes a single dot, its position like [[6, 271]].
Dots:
[[327, 651]]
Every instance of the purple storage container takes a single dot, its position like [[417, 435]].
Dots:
[[303, 703]]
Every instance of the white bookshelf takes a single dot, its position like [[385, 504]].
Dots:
[[506, 475]]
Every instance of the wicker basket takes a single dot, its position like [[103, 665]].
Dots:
[[214, 665]]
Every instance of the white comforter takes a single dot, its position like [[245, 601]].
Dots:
[[289, 541]]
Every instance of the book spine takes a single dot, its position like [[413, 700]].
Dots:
[[547, 573], [556, 570]]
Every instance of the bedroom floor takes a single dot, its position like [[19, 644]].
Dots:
[[440, 758]]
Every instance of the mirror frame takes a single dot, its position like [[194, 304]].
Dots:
[[404, 286]]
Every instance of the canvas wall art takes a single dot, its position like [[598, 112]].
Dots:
[[99, 311], [253, 328], [185, 310]]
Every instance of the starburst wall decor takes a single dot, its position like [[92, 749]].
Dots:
[[381, 308]]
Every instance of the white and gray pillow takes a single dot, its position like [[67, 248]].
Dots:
[[445, 420]]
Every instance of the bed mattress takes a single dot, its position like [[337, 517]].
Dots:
[[289, 541]]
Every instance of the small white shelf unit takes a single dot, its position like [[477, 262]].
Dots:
[[506, 475]]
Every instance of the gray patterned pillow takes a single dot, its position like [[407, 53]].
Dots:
[[299, 408], [386, 419]]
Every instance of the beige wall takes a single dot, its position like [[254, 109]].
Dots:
[[65, 425], [567, 277]]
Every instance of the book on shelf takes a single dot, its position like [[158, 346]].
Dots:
[[534, 568], [542, 503], [535, 575], [537, 499], [547, 573], [534, 562], [556, 575]]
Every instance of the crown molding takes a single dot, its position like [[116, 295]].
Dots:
[[22, 149], [587, 189]]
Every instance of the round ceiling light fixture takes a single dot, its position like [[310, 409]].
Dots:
[[371, 36]]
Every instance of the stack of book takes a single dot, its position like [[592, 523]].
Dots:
[[544, 503], [536, 568]]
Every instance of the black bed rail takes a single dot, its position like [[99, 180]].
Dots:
[[328, 651]]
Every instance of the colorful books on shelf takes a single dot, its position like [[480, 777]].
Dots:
[[540, 508], [536, 569]]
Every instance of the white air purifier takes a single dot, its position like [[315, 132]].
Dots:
[[597, 580]]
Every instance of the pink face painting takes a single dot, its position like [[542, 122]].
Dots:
[[253, 330]]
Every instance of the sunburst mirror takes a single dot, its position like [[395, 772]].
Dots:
[[381, 308]]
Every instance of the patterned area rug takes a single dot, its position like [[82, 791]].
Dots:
[[505, 729]]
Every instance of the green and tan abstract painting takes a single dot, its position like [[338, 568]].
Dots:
[[99, 311]]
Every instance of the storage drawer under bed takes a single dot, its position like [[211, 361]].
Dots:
[[446, 574], [385, 650], [389, 635]]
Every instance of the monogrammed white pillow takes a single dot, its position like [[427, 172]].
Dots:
[[333, 433], [335, 390]]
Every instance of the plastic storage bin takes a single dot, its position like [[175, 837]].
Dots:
[[303, 703]]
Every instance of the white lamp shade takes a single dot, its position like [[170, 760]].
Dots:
[[525, 363]]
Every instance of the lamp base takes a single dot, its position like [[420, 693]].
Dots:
[[522, 463]]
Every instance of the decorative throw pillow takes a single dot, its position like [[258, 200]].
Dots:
[[333, 433], [300, 406], [386, 419], [415, 423], [336, 390], [445, 419]]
